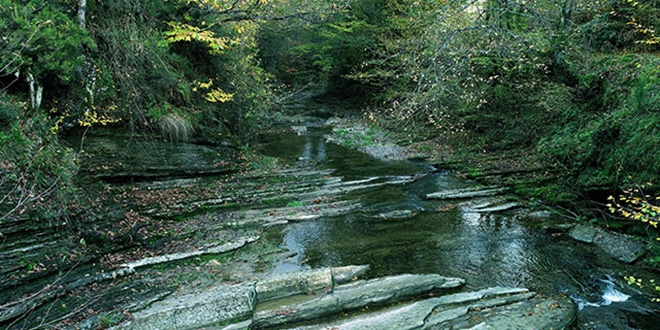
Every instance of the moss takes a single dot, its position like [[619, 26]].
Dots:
[[295, 204]]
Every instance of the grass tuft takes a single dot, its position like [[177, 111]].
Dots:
[[175, 128]]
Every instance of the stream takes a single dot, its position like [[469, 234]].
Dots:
[[486, 249], [330, 206]]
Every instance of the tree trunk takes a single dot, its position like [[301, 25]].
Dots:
[[36, 91], [82, 4]]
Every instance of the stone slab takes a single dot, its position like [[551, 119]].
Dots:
[[352, 296], [220, 305], [289, 284]]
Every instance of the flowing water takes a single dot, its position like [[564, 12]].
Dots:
[[485, 249]]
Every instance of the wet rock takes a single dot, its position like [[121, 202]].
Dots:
[[558, 228], [346, 274], [245, 325], [583, 233], [284, 285], [252, 305], [385, 151], [319, 200], [230, 246], [540, 214], [231, 303], [430, 312], [619, 246], [123, 157], [396, 214], [366, 140], [300, 130], [26, 305], [350, 297], [497, 208], [467, 193], [283, 215], [539, 312]]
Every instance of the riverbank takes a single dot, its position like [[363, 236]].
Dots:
[[520, 169]]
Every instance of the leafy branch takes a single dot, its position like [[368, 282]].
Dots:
[[635, 204], [187, 33]]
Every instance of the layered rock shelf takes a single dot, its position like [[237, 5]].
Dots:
[[308, 299]]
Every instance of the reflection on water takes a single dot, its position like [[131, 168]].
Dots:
[[485, 249], [314, 150]]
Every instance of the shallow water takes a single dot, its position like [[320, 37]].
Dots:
[[485, 249]]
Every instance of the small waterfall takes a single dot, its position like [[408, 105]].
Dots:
[[609, 295]]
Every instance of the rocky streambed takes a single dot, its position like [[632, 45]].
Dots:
[[195, 235]]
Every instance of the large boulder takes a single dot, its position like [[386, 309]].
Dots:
[[306, 282], [583, 233]]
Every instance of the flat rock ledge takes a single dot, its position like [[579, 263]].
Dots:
[[303, 300], [492, 308], [228, 304]]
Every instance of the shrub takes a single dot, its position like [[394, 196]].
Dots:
[[37, 171]]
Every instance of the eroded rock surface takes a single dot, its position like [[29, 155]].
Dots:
[[218, 305], [492, 308], [351, 297], [300, 300], [307, 282]]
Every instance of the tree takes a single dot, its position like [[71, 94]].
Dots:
[[43, 46]]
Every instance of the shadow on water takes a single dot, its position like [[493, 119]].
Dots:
[[485, 249]]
